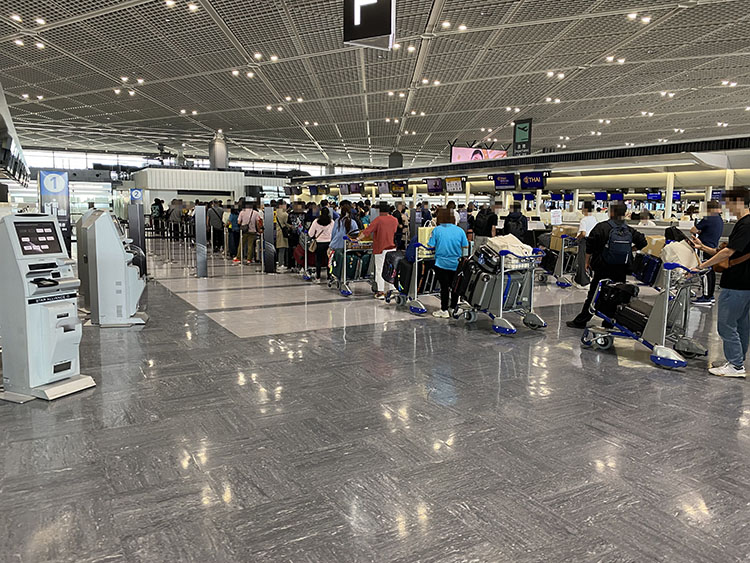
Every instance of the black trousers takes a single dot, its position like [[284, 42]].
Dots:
[[710, 284], [218, 239], [614, 273], [321, 258], [448, 299]]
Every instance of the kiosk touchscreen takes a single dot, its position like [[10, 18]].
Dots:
[[39, 324]]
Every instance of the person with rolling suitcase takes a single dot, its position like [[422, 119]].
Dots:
[[321, 231], [588, 222], [383, 230], [609, 252]]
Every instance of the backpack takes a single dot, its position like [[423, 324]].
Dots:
[[482, 224], [514, 226], [619, 247], [155, 211]]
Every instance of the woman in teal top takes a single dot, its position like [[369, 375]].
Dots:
[[449, 241]]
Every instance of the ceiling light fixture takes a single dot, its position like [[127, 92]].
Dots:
[[193, 7], [139, 80], [462, 27], [26, 97], [633, 16], [235, 73], [40, 97], [269, 108], [516, 110], [40, 21], [425, 81], [274, 58], [732, 84], [679, 130], [194, 112], [390, 93], [548, 99], [250, 74], [387, 119], [446, 24], [18, 42], [39, 45], [610, 59], [300, 100], [482, 129], [396, 46], [395, 121], [288, 98], [401, 94], [131, 92], [124, 78], [170, 3], [550, 74], [508, 108], [183, 111], [117, 91], [557, 100], [423, 113], [620, 61], [413, 112], [411, 48], [307, 123], [560, 75], [16, 18], [722, 124], [258, 56], [279, 108], [646, 19], [315, 123]]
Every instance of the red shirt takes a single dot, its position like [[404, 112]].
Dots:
[[383, 230]]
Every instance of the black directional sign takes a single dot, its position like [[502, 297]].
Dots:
[[370, 23]]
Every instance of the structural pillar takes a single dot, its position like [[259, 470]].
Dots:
[[468, 194], [538, 202], [576, 193], [728, 179], [669, 203]]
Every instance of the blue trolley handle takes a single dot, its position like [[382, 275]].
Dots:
[[675, 266], [537, 254]]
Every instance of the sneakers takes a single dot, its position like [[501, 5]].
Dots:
[[236, 260], [441, 314], [379, 295], [704, 301], [727, 370]]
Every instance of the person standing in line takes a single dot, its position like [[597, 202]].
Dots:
[[516, 223], [454, 212], [609, 252], [485, 226], [283, 229], [215, 214], [587, 224], [426, 214], [321, 231], [646, 220], [733, 321], [344, 226], [383, 230], [709, 231], [401, 235], [449, 242], [331, 211], [248, 221], [233, 225]]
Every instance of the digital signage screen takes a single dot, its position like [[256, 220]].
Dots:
[[556, 197], [529, 197], [503, 181], [383, 188], [455, 185], [676, 196], [398, 187], [343, 189], [532, 180], [435, 185], [288, 190], [568, 197], [616, 196], [600, 196], [356, 188], [465, 154], [654, 196], [313, 190]]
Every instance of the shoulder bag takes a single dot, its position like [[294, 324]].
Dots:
[[724, 265]]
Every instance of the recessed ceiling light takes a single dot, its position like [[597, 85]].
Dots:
[[279, 108], [307, 123], [170, 3], [40, 21], [258, 56], [725, 82], [131, 92], [607, 121], [124, 78], [274, 58], [620, 61], [26, 97], [401, 94], [425, 81], [183, 111], [193, 7], [446, 24], [610, 58], [732, 84], [747, 108], [557, 100], [663, 94], [494, 140], [39, 45], [482, 129], [670, 94], [269, 108], [40, 97], [411, 48], [560, 75], [512, 123], [235, 73], [508, 108], [387, 119], [548, 99], [395, 121], [633, 16], [139, 80], [413, 112], [462, 27], [16, 18], [516, 110], [250, 74], [299, 100], [646, 19], [550, 74], [117, 91], [288, 98], [489, 130], [397, 46], [315, 123], [390, 93], [18, 42], [436, 82], [194, 112], [422, 113]]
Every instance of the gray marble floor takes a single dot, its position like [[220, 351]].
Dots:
[[370, 435]]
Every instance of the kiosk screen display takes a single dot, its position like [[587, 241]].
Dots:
[[38, 238]]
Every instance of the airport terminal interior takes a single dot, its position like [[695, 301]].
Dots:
[[329, 281]]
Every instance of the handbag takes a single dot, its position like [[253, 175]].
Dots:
[[286, 230], [724, 265], [313, 245]]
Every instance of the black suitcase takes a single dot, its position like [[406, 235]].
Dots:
[[463, 278], [646, 268], [488, 259], [612, 295], [403, 279], [549, 260], [634, 315], [390, 265], [674, 234], [269, 258]]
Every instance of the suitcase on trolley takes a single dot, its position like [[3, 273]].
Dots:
[[403, 279], [488, 259], [612, 295], [549, 260], [390, 265], [634, 315], [646, 268], [352, 266]]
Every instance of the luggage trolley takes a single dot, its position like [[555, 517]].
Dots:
[[667, 322], [410, 296], [511, 291], [360, 273], [565, 265], [304, 240]]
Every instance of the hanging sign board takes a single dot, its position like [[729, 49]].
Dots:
[[136, 195], [532, 180], [54, 199], [370, 23], [503, 181], [522, 137], [455, 185]]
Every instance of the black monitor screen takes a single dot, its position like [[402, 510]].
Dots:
[[38, 238]]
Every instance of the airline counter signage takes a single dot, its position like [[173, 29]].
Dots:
[[522, 137], [532, 180], [136, 195], [455, 185], [503, 181], [370, 23]]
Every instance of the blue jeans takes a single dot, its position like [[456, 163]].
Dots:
[[734, 324]]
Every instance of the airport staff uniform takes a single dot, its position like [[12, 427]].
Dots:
[[596, 245]]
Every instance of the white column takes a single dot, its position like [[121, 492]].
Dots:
[[538, 202], [669, 195], [508, 200], [729, 179], [468, 194], [575, 199], [706, 199]]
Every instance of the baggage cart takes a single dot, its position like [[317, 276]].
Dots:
[[665, 322], [564, 267], [363, 271], [511, 290], [409, 294], [307, 272]]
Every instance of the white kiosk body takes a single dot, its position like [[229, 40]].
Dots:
[[84, 293], [39, 324], [114, 284]]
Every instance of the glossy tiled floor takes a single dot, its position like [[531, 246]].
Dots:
[[257, 418]]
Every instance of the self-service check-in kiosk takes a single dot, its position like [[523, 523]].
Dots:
[[114, 283], [39, 322]]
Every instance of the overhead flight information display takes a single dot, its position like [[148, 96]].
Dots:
[[455, 185], [38, 238]]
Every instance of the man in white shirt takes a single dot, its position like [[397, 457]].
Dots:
[[587, 224]]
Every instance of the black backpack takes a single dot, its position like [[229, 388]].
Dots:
[[619, 247], [482, 224], [514, 226]]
